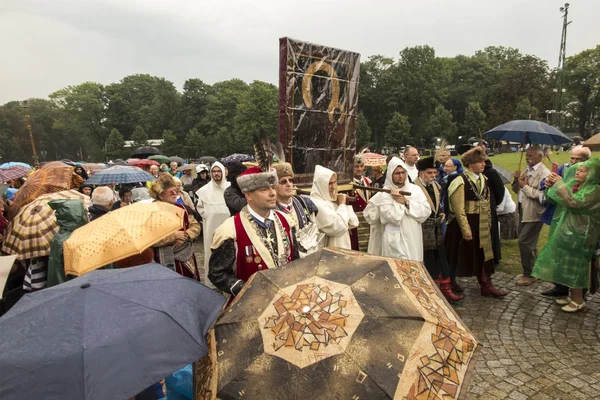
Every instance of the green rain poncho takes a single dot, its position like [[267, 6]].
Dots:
[[566, 257], [70, 215]]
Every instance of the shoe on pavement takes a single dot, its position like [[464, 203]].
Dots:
[[525, 280], [573, 307], [556, 291], [564, 301]]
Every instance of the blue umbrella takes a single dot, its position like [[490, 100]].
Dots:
[[105, 335], [120, 174], [528, 131], [14, 163]]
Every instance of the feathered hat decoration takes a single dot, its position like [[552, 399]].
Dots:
[[263, 175]]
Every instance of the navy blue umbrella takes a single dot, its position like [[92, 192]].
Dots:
[[237, 157], [528, 131], [120, 174], [108, 334]]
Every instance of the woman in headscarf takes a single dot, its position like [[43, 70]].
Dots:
[[566, 257], [81, 172], [335, 216], [176, 250]]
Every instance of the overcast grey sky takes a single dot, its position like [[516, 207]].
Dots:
[[49, 44]]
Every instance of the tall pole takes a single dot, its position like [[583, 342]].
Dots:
[[559, 86], [25, 104]]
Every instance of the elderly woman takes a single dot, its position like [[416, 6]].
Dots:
[[176, 251], [566, 257]]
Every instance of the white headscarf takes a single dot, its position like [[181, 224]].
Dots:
[[394, 163], [320, 188], [213, 192]]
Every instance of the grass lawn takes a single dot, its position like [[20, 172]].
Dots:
[[511, 262]]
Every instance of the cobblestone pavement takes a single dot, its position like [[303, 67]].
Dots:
[[531, 349]]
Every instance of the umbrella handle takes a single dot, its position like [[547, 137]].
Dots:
[[524, 142]]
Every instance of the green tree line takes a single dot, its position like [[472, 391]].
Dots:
[[411, 99]]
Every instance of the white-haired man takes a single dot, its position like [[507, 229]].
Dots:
[[102, 201]]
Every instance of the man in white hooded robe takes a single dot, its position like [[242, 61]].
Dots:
[[212, 208], [395, 218], [335, 217]]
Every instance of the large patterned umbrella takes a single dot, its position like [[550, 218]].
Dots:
[[374, 159], [53, 177], [120, 174], [338, 324], [30, 233], [120, 234], [14, 172]]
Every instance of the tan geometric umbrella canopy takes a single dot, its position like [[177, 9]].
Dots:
[[338, 324], [30, 233], [593, 143], [120, 234]]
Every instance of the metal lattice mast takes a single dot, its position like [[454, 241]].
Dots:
[[558, 88]]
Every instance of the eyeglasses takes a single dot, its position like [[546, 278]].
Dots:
[[286, 181]]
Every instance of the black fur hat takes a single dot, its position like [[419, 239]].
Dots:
[[426, 163]]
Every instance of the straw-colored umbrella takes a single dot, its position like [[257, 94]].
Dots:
[[120, 234], [30, 233]]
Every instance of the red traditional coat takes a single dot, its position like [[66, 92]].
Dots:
[[252, 256]]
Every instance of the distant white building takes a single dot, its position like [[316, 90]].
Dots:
[[151, 142]]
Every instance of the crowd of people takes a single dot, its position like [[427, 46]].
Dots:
[[448, 213]]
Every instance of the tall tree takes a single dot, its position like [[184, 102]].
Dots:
[[441, 125], [139, 137], [582, 75], [257, 109], [525, 110], [397, 133], [363, 131], [420, 82], [193, 144], [115, 145], [171, 145], [474, 123], [83, 111], [194, 100]]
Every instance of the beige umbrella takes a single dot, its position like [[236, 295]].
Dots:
[[6, 264], [593, 143], [30, 233], [120, 234]]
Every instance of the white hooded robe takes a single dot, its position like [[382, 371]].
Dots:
[[213, 210], [395, 229], [333, 220]]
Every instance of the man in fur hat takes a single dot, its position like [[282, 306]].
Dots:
[[434, 251], [359, 237], [256, 238], [300, 210]]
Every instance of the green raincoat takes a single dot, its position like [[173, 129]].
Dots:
[[565, 259], [70, 215]]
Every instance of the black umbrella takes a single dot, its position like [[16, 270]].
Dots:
[[118, 161], [207, 159], [237, 157], [505, 174], [106, 335], [145, 151], [528, 131], [178, 160]]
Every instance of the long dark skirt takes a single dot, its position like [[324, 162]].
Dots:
[[465, 258], [436, 262]]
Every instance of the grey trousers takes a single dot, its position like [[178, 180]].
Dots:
[[529, 233]]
